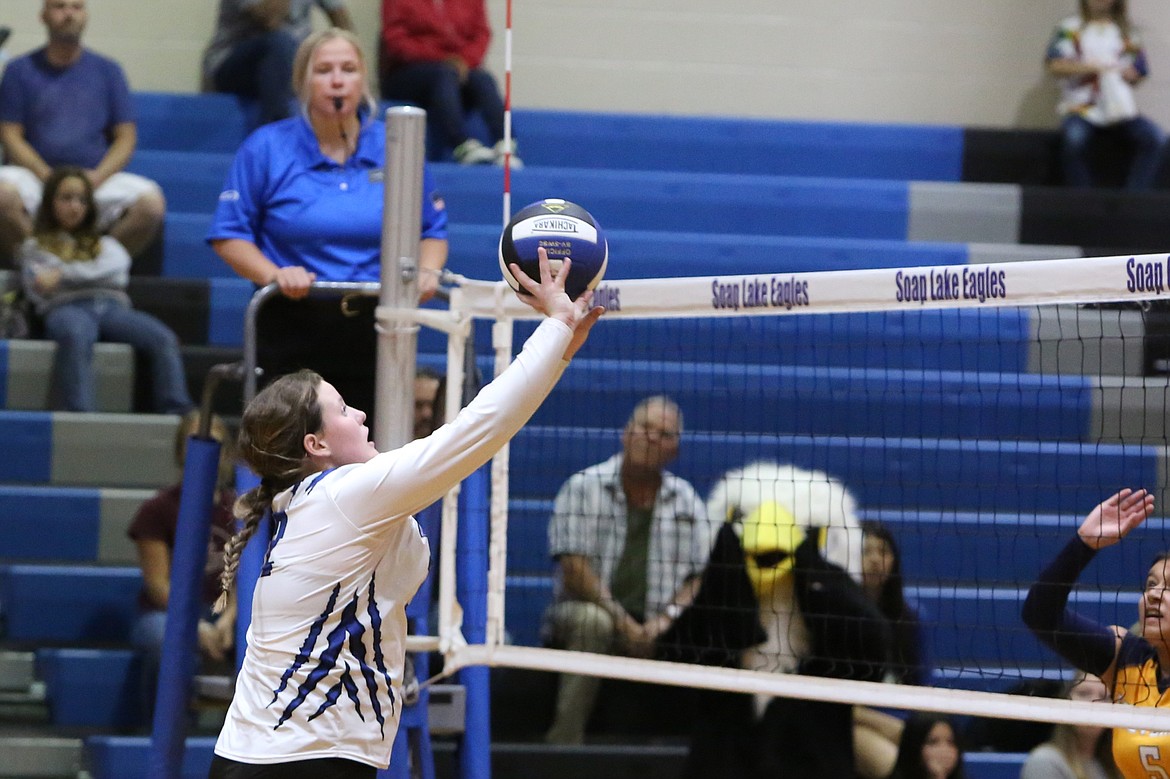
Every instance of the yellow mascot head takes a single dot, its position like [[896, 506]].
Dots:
[[774, 505], [770, 537]]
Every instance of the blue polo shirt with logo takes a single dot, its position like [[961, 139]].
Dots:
[[302, 208]]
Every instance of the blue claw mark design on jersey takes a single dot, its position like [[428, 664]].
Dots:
[[318, 478], [281, 520], [345, 682], [360, 653], [349, 627], [306, 649], [376, 628], [351, 689]]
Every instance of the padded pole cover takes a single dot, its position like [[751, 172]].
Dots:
[[180, 641]]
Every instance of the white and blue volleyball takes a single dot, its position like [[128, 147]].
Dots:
[[564, 229]]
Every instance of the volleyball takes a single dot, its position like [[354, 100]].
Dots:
[[564, 229]]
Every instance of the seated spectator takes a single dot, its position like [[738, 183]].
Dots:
[[76, 278], [432, 56], [252, 49], [1075, 751], [929, 749], [1098, 59], [153, 531], [63, 104], [876, 733], [629, 539], [429, 401]]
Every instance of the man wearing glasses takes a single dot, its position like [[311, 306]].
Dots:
[[630, 540]]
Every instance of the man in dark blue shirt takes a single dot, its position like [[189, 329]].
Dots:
[[64, 105]]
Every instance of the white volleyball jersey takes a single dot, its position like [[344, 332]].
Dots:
[[322, 674]]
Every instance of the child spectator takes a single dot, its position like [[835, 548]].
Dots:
[[76, 278]]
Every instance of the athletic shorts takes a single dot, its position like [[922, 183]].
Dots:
[[114, 196], [321, 768]]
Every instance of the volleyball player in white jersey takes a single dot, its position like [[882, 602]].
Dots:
[[319, 692]]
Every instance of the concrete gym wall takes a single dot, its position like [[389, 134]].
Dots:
[[941, 62]]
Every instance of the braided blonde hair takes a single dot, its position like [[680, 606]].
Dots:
[[272, 443]]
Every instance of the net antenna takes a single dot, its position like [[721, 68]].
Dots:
[[508, 146], [1039, 341]]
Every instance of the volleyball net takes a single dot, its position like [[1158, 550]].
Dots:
[[975, 412]]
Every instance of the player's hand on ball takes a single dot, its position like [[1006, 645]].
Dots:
[[548, 297]]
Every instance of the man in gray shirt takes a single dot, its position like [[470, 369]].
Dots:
[[630, 540], [251, 51]]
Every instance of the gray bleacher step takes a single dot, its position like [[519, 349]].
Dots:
[[22, 695], [1087, 341], [17, 671], [962, 212], [118, 509], [1020, 252], [32, 755], [113, 450], [1130, 409], [30, 365]]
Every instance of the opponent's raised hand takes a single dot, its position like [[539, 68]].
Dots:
[[1114, 517]]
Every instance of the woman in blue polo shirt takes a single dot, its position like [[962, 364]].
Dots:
[[303, 203]]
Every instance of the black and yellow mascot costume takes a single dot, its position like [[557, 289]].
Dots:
[[779, 594]]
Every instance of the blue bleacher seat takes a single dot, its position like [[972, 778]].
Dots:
[[170, 121], [91, 687], [758, 146], [723, 396], [185, 251], [126, 757], [969, 626], [982, 475], [30, 434], [996, 548], [691, 202], [982, 340], [981, 624], [649, 254], [50, 523], [935, 546], [69, 603], [993, 765], [191, 180]]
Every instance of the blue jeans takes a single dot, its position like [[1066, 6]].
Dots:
[[78, 325], [260, 68], [435, 87], [1144, 138]]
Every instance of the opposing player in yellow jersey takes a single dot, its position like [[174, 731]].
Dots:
[[1136, 668]]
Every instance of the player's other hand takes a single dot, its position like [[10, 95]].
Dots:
[[547, 295], [1114, 517]]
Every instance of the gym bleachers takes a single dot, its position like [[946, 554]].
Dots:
[[677, 196]]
